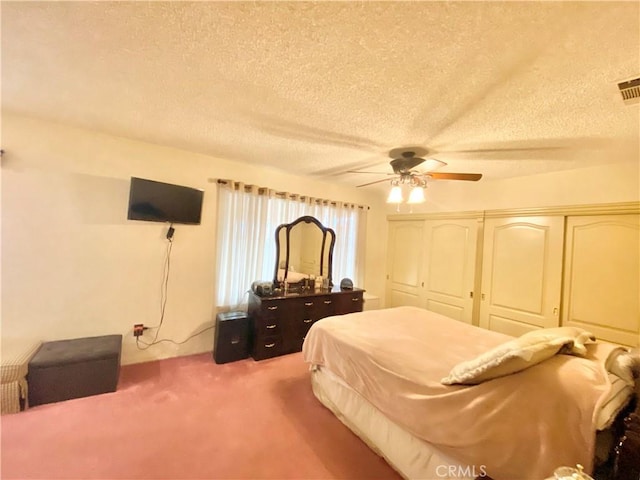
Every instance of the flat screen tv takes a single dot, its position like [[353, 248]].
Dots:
[[164, 202]]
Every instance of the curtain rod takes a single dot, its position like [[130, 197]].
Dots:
[[264, 190]]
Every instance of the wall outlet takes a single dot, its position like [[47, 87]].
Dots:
[[138, 329]]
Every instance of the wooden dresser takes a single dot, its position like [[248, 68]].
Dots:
[[281, 323]]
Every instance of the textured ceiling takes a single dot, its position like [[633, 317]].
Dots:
[[318, 88]]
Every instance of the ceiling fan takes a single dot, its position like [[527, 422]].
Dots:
[[405, 159]]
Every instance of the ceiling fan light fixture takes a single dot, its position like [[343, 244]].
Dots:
[[395, 195], [416, 195]]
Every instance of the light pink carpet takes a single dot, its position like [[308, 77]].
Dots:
[[189, 418]]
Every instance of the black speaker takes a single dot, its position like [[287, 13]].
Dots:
[[346, 284], [232, 340]]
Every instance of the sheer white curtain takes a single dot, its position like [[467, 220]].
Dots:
[[247, 220]]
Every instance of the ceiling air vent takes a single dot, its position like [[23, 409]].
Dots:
[[630, 90]]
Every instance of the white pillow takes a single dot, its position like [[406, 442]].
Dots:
[[618, 398], [519, 354], [580, 337]]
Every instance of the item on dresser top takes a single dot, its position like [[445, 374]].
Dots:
[[346, 284], [262, 289]]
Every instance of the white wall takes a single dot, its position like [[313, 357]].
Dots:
[[74, 266]]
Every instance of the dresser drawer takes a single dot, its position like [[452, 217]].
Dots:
[[268, 326], [303, 308], [302, 325], [272, 309], [325, 306], [348, 303], [267, 347], [297, 340]]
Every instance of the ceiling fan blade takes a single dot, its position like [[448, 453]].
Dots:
[[531, 148], [373, 183], [373, 173], [472, 177], [431, 164], [403, 165], [508, 149]]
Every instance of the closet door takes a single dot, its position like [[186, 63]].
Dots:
[[602, 276], [521, 273], [404, 263], [449, 268]]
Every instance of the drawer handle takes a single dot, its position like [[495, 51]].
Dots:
[[271, 326], [356, 299], [308, 304], [307, 320], [274, 307], [235, 341], [269, 345], [327, 302]]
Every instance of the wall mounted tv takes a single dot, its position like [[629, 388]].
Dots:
[[153, 201]]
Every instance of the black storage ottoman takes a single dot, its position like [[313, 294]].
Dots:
[[74, 368], [233, 339]]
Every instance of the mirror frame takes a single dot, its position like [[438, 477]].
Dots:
[[327, 233]]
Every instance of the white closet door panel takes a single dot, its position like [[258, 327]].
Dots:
[[450, 267], [522, 272], [404, 263], [398, 298], [518, 267], [602, 276], [509, 326], [448, 310]]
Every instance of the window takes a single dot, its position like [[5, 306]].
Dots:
[[247, 220]]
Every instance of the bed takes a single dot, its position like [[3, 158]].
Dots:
[[381, 372]]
